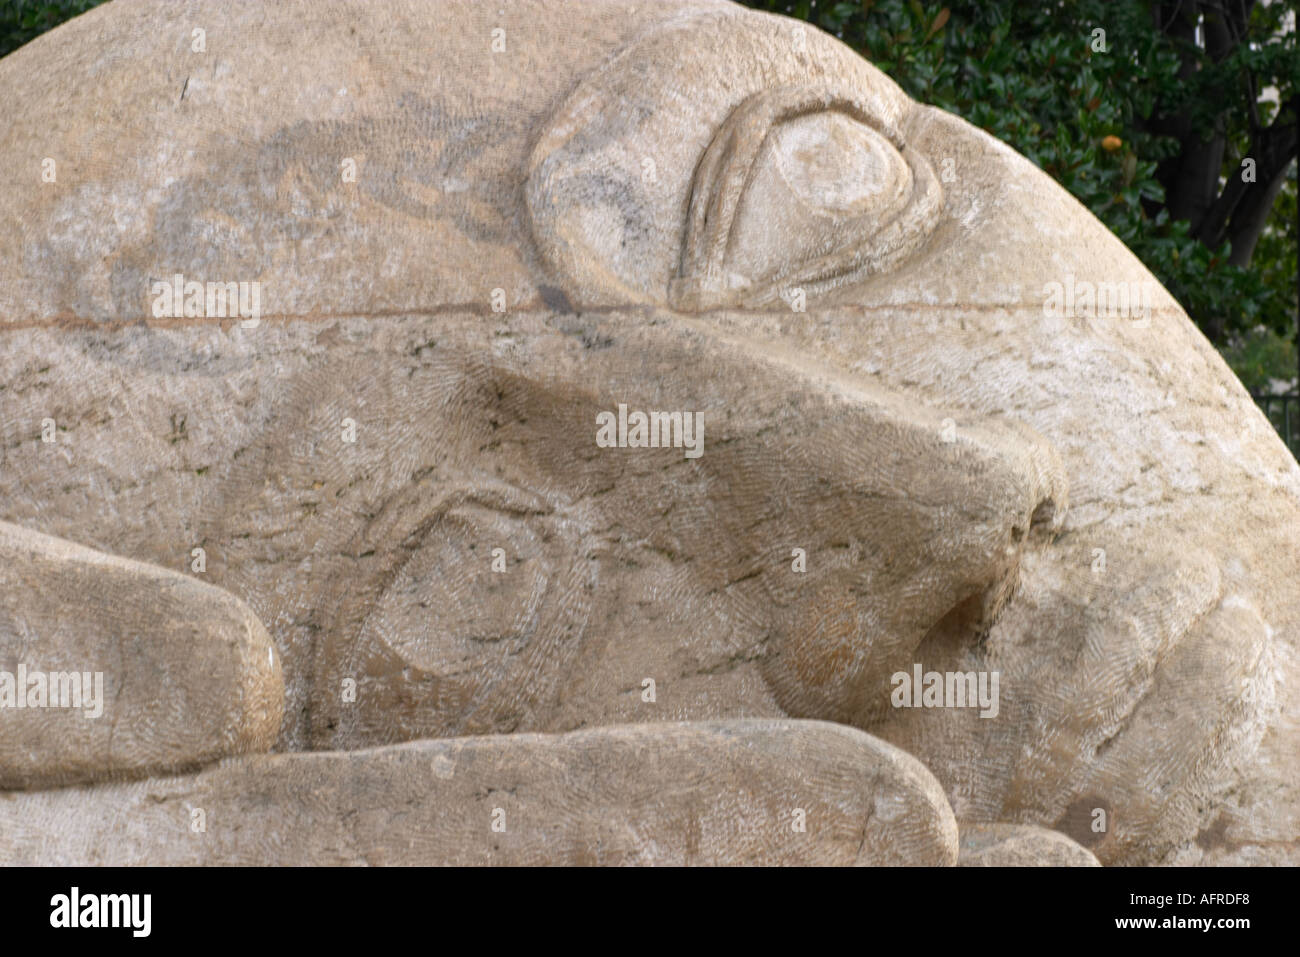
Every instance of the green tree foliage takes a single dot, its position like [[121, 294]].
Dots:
[[1147, 127], [23, 20]]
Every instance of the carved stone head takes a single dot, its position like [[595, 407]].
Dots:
[[943, 420]]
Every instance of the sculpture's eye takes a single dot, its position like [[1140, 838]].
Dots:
[[800, 188], [834, 164], [768, 169]]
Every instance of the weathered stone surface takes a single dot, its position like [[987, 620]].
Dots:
[[678, 206], [1016, 845], [123, 669], [697, 793]]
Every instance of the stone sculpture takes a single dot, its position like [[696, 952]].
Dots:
[[642, 422]]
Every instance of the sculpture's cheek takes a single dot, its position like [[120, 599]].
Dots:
[[827, 651]]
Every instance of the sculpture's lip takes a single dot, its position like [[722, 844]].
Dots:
[[1179, 753]]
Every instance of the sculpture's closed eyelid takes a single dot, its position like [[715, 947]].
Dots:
[[865, 237]]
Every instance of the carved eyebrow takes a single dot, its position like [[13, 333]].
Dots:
[[729, 165]]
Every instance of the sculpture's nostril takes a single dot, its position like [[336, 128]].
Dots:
[[1046, 515]]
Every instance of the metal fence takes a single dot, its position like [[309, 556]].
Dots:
[[1284, 412]]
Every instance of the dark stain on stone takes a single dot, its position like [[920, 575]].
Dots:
[[556, 300], [585, 331], [1216, 835]]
